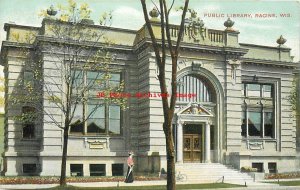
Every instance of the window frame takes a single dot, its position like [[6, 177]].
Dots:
[[262, 89], [90, 100], [30, 164], [259, 108], [271, 167], [97, 172], [259, 166], [31, 124], [113, 167], [81, 172]]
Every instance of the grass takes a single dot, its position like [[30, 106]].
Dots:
[[287, 183], [157, 187]]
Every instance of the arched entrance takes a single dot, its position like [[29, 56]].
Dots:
[[198, 118]]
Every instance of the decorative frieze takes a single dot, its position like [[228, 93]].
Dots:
[[101, 143], [255, 145]]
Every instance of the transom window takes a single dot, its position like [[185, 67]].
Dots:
[[190, 84], [257, 90], [92, 117]]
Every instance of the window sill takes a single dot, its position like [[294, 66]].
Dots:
[[29, 139], [259, 97], [259, 138], [80, 136]]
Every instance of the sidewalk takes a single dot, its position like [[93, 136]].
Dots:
[[250, 186]]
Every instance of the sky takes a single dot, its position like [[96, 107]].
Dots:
[[128, 14]]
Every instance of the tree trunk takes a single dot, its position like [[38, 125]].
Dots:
[[64, 157], [171, 182]]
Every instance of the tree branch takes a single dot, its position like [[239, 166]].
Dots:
[[175, 59]]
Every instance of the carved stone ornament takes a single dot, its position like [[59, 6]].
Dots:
[[234, 63], [255, 145], [96, 143], [195, 27], [196, 65]]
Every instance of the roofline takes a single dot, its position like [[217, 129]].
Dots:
[[265, 46], [95, 26], [7, 25]]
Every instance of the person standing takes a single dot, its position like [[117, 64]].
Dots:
[[130, 163]]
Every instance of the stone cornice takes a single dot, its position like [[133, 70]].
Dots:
[[264, 46], [91, 26], [197, 47], [270, 62], [114, 47], [8, 25], [7, 44]]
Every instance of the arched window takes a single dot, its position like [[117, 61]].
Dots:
[[194, 89]]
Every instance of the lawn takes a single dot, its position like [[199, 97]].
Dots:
[[158, 187], [287, 183]]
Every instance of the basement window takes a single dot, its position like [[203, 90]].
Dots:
[[117, 169], [272, 166], [258, 166], [76, 169], [97, 170], [29, 168]]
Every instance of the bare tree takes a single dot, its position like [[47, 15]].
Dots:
[[74, 49], [160, 48]]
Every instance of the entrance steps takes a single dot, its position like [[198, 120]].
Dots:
[[212, 173]]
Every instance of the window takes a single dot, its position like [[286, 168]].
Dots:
[[257, 90], [28, 78], [272, 166], [253, 90], [258, 166], [29, 168], [92, 118], [101, 119], [28, 114], [268, 123], [114, 119], [199, 87], [96, 119], [258, 117], [76, 169], [244, 124], [97, 170], [28, 131], [267, 91], [260, 123], [254, 123], [117, 169]]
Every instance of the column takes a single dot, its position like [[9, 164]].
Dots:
[[207, 143], [179, 150]]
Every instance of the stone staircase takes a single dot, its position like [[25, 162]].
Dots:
[[212, 173]]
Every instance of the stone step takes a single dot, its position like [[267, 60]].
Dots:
[[212, 172]]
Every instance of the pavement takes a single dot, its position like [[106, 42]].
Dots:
[[250, 186]]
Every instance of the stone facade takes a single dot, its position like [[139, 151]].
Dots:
[[240, 114]]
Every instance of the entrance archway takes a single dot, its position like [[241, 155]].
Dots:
[[205, 111]]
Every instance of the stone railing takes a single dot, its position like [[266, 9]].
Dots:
[[216, 36], [197, 35]]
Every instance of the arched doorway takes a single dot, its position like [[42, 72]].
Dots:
[[198, 120]]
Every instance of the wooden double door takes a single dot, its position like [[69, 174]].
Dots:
[[192, 143]]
